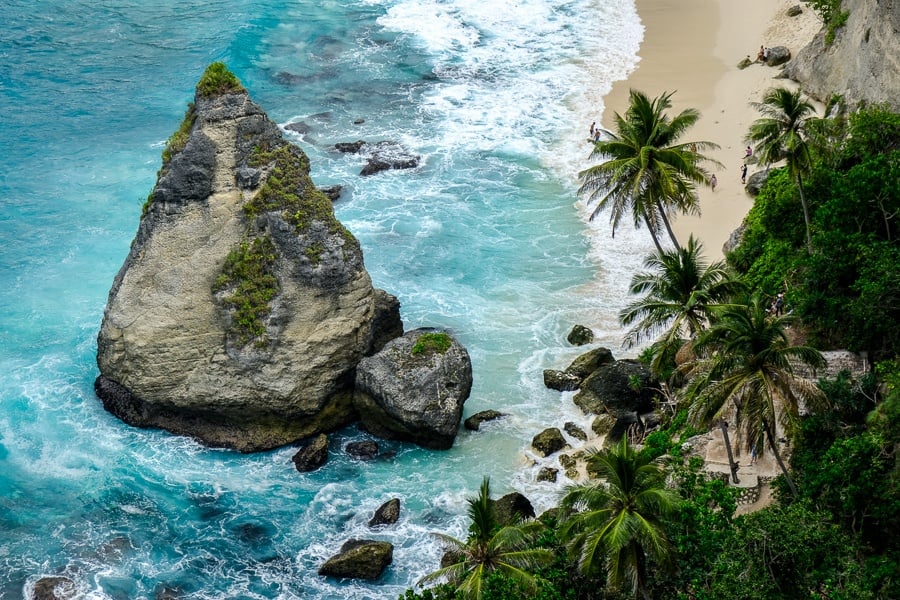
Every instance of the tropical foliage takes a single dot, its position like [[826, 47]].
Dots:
[[645, 173], [678, 293], [615, 525], [781, 134], [490, 548]]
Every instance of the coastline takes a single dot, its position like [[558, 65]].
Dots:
[[692, 48]]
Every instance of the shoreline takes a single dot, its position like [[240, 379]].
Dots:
[[692, 48]]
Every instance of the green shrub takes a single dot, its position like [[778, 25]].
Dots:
[[431, 342], [218, 80], [178, 140], [249, 271]]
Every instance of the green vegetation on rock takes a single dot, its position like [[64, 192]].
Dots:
[[248, 273], [178, 140], [218, 80], [431, 342]]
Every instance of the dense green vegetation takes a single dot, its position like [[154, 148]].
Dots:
[[250, 284], [650, 523], [218, 80], [432, 342]]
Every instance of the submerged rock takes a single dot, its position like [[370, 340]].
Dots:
[[243, 306], [54, 588], [474, 422], [365, 450]]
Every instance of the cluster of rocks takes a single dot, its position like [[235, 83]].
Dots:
[[619, 394], [323, 349]]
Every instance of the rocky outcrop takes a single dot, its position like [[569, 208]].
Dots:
[[549, 441], [575, 373], [863, 62], [359, 559], [387, 514], [618, 388], [243, 306], [313, 455], [414, 388]]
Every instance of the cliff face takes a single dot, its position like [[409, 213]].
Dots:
[[863, 62], [243, 306]]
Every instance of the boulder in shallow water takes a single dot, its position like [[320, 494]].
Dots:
[[387, 155], [359, 559], [623, 386], [474, 422], [561, 381], [364, 450], [54, 588], [549, 441], [387, 514], [575, 431], [580, 335], [414, 388], [589, 362], [313, 455], [547, 474]]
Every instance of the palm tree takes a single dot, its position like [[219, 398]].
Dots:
[[490, 548], [746, 362], [645, 172], [615, 524], [782, 134], [680, 290]]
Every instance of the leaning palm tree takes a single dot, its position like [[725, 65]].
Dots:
[[782, 134], [490, 548], [680, 289], [645, 172], [746, 362], [616, 524]]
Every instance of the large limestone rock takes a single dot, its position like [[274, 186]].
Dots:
[[414, 388], [863, 62], [243, 306]]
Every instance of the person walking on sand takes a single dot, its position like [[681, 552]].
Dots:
[[744, 173], [713, 182]]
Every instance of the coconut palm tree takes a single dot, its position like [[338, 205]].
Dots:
[[680, 289], [615, 524], [645, 172], [782, 134], [490, 548], [745, 361]]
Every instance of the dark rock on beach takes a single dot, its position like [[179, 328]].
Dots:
[[474, 422], [512, 508], [387, 514], [589, 362], [549, 441], [313, 455], [359, 559], [778, 55], [756, 181], [575, 431], [617, 388]]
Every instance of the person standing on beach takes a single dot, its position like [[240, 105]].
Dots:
[[744, 173], [592, 128], [713, 181]]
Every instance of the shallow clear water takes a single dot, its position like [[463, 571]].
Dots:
[[486, 238]]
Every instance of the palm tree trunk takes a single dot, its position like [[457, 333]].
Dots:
[[731, 464], [652, 234], [805, 212], [787, 476], [665, 219]]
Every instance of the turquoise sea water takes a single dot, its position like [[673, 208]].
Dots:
[[486, 237]]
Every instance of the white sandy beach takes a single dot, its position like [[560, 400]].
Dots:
[[692, 47]]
